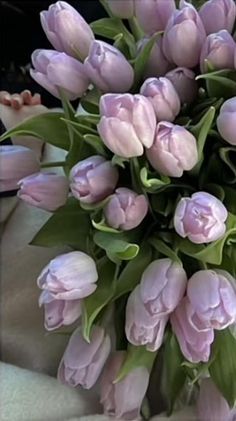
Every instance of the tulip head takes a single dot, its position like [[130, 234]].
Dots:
[[93, 179], [125, 209], [201, 218], [108, 68], [66, 29], [226, 122], [153, 15], [217, 15], [127, 124], [174, 150], [157, 65], [123, 9], [218, 50], [184, 83]]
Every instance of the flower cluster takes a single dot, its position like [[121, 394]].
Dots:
[[148, 196]]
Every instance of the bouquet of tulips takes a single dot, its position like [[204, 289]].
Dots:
[[147, 205]]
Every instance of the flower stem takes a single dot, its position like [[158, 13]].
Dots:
[[53, 164]]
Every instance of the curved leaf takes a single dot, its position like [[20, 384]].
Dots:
[[116, 246]]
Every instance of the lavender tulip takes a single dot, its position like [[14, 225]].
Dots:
[[93, 179], [212, 295], [48, 191], [226, 122], [53, 70], [70, 276], [153, 15], [163, 96], [184, 24], [83, 362], [16, 162], [125, 209], [142, 327], [184, 83], [66, 30], [217, 15], [59, 313], [114, 395], [174, 150], [108, 68], [123, 9], [127, 124], [211, 405], [218, 50], [195, 344], [157, 64], [201, 218]]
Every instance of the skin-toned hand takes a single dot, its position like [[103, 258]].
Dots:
[[17, 101]]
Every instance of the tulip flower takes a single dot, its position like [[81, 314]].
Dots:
[[211, 405], [125, 209], [16, 162], [66, 29], [184, 36], [123, 9], [163, 96], [123, 399], [127, 124], [226, 122], [83, 362], [53, 70], [184, 83], [93, 179], [217, 15], [174, 150], [212, 295], [70, 276], [108, 68], [195, 344], [157, 65], [218, 50], [201, 218], [153, 15], [48, 191], [59, 313], [142, 327]]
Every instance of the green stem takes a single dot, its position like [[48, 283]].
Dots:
[[135, 28], [53, 164]]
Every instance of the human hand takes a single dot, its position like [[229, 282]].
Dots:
[[17, 101]]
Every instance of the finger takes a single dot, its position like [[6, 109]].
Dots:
[[5, 98], [26, 97], [16, 101], [36, 99]]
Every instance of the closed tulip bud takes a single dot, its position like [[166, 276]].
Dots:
[[46, 191], [66, 30], [16, 162], [195, 344], [108, 68], [211, 405], [163, 96], [142, 327], [218, 50], [217, 15], [126, 117], [123, 399], [83, 361], [69, 276], [184, 24], [174, 150], [53, 70], [226, 122], [59, 313], [126, 209], [184, 83], [93, 179], [213, 298], [153, 15], [157, 64], [123, 9], [201, 218]]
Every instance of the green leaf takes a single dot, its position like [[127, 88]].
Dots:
[[116, 246], [162, 204], [102, 226], [228, 156], [230, 199], [119, 161], [68, 226], [137, 356], [94, 304], [174, 375], [86, 119], [96, 143], [223, 367], [90, 102], [220, 83], [162, 247], [48, 127], [201, 130], [132, 273], [153, 184]]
